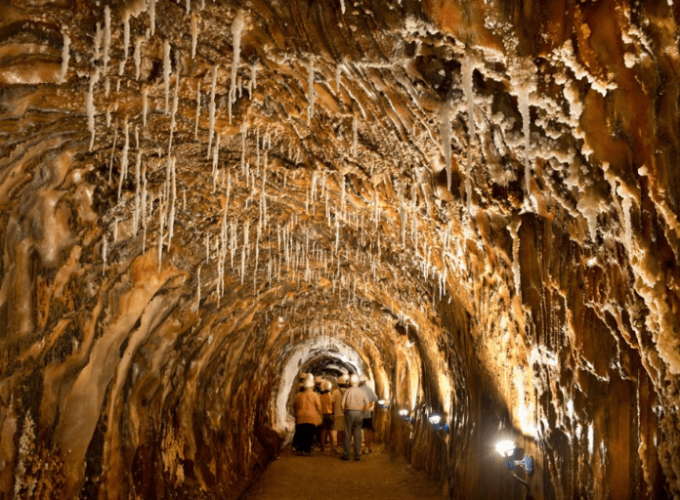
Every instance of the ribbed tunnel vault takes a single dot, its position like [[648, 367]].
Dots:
[[473, 202]]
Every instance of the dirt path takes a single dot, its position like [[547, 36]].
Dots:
[[325, 477]]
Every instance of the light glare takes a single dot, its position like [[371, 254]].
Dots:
[[505, 447]]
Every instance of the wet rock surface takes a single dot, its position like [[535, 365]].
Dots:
[[474, 203]]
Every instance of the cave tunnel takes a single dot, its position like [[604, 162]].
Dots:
[[475, 204]]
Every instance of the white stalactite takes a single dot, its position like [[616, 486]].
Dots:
[[194, 35], [173, 113], [96, 53], [253, 80], [135, 219], [173, 201], [138, 57], [65, 57], [211, 110], [89, 105], [236, 31], [215, 161], [107, 37], [152, 16]]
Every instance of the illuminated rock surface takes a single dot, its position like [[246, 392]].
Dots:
[[475, 203]]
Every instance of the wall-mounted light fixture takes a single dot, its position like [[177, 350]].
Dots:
[[383, 404], [404, 414], [436, 421], [507, 448]]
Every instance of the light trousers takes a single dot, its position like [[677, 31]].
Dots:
[[353, 421]]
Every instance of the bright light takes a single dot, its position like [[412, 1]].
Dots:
[[403, 413], [435, 419], [381, 402], [506, 448]]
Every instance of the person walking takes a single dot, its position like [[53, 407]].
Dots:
[[327, 415], [367, 423], [338, 434], [307, 417], [354, 403], [296, 436]]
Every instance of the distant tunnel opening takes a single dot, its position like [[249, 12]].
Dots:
[[475, 203]]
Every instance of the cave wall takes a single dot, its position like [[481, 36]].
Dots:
[[476, 203]]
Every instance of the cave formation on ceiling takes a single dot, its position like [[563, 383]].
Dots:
[[474, 202]]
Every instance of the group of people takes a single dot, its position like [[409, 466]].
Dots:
[[334, 415]]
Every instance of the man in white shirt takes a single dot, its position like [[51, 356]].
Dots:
[[367, 423], [354, 403]]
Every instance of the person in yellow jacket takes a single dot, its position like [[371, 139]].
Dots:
[[327, 415], [307, 416], [338, 434]]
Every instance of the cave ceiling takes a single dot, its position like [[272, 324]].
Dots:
[[491, 185]]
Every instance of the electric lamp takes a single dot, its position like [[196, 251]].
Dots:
[[506, 449], [435, 420], [404, 414]]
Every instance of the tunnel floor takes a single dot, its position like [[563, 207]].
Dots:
[[382, 474]]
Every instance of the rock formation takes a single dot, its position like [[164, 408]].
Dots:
[[476, 203]]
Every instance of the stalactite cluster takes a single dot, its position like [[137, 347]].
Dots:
[[474, 203]]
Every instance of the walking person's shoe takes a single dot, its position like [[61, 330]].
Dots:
[[356, 459], [343, 457]]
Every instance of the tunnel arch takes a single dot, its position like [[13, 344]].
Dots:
[[475, 200]]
